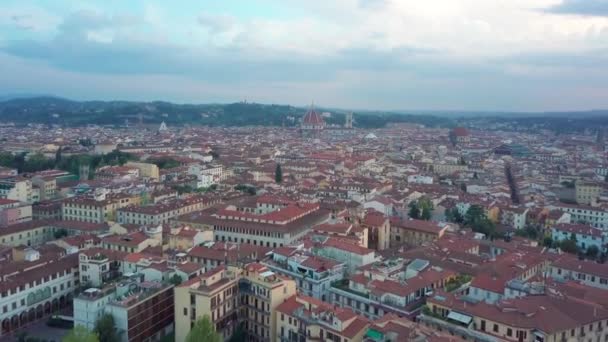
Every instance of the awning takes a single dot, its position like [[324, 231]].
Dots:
[[375, 334], [458, 317]]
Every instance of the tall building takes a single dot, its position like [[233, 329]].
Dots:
[[214, 293], [349, 120], [262, 291]]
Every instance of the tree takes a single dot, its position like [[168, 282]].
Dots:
[[548, 241], [80, 334], [278, 174], [106, 329], [606, 178], [60, 233], [58, 156], [592, 251], [176, 279], [203, 330], [463, 187], [568, 246], [414, 210], [475, 213], [426, 214]]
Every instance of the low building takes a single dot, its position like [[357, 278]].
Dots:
[[415, 232], [13, 212], [260, 221], [585, 235], [588, 272], [313, 274], [529, 319], [302, 318], [393, 286]]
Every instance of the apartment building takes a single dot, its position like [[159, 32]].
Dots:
[[392, 286], [586, 236], [142, 310], [415, 232], [302, 318], [214, 293], [16, 188], [96, 210], [13, 212], [146, 170], [47, 186], [588, 272], [594, 216], [313, 274], [587, 192], [262, 291]]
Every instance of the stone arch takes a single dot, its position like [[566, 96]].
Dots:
[[31, 315], [6, 326], [47, 308]]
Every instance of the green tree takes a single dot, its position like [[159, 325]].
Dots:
[[176, 279], [426, 214], [80, 334], [60, 233], [414, 210], [592, 251], [475, 213], [203, 330], [548, 241], [106, 329], [58, 156], [463, 187], [278, 174], [569, 246]]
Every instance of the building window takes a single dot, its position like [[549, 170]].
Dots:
[[185, 311], [509, 332]]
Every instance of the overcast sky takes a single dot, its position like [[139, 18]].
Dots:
[[525, 55]]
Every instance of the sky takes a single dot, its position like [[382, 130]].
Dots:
[[479, 55]]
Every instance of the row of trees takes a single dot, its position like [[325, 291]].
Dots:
[[105, 331], [475, 218]]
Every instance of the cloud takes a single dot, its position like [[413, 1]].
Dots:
[[597, 8], [465, 54]]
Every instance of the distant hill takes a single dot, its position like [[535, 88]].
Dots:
[[55, 110]]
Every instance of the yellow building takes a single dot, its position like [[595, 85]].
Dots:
[[146, 170], [587, 192], [93, 210], [262, 291], [415, 232], [214, 293]]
